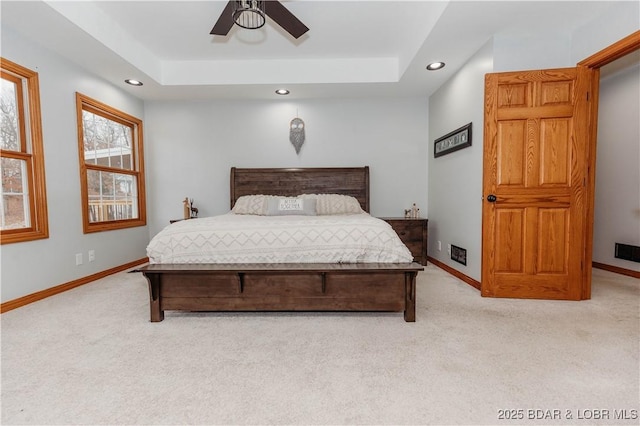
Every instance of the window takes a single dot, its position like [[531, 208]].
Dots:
[[111, 167], [23, 205]]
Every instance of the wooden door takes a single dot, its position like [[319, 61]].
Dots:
[[536, 155]]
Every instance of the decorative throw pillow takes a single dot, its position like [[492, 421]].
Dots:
[[251, 204], [280, 206], [328, 204]]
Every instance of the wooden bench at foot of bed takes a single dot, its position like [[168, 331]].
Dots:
[[283, 287]]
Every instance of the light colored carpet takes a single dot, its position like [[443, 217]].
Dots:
[[91, 356]]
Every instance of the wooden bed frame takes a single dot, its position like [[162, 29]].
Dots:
[[389, 287]]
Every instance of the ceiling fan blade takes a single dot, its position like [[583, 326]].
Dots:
[[225, 21], [287, 20]]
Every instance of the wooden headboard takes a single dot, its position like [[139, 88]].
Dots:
[[353, 181]]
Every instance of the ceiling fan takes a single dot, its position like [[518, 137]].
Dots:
[[252, 14]]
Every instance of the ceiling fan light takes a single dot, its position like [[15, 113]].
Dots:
[[249, 14]]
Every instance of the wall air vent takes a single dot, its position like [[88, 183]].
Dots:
[[459, 254], [628, 252]]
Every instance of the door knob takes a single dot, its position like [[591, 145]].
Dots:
[[492, 198]]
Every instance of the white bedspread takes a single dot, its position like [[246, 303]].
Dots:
[[231, 238]]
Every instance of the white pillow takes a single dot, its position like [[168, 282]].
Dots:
[[328, 204], [280, 206], [251, 204]]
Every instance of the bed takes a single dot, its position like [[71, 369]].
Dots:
[[282, 286]]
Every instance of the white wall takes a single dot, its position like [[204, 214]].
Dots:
[[32, 266], [455, 179], [617, 196], [621, 20], [191, 147], [532, 51]]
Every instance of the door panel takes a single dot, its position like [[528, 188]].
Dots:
[[510, 236], [556, 92], [554, 149], [553, 235], [535, 140], [512, 145]]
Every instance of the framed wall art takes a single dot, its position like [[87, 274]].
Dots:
[[458, 139]]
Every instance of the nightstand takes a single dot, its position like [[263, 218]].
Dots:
[[413, 233]]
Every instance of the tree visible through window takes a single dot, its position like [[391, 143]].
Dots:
[[111, 167], [23, 205]]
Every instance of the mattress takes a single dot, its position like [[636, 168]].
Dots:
[[235, 238]]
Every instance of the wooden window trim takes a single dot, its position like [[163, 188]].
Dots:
[[33, 153], [85, 103]]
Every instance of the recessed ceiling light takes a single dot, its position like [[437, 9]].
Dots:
[[282, 92], [133, 82], [435, 66]]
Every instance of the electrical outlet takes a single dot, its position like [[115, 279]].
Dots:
[[92, 255], [78, 259], [439, 245], [449, 249]]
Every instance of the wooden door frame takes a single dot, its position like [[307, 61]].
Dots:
[[617, 50]]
